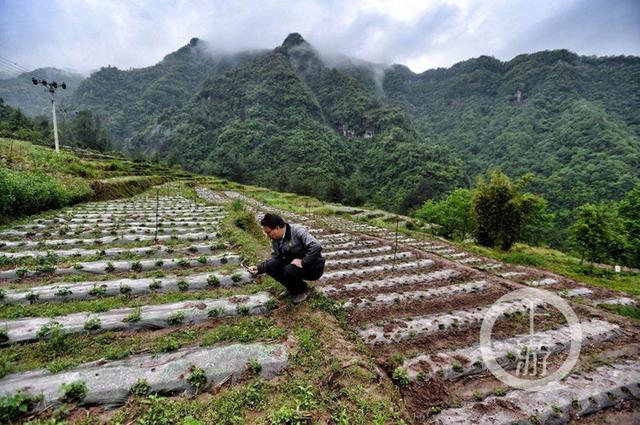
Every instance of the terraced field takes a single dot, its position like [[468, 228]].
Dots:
[[109, 283], [419, 306], [110, 299]]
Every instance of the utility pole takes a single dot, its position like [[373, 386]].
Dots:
[[51, 88]]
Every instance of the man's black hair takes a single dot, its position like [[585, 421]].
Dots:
[[272, 221]]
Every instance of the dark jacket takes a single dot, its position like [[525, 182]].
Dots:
[[297, 243]]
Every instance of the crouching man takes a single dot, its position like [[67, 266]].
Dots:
[[296, 257]]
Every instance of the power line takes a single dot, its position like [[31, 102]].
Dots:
[[14, 64]]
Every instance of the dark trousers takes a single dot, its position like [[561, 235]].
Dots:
[[292, 277]]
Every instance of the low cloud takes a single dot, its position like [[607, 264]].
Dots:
[[87, 34]]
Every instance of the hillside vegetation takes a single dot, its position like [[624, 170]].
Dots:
[[34, 178]]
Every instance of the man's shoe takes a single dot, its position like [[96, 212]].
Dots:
[[284, 294], [297, 299]]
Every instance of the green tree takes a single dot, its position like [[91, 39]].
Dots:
[[86, 131], [598, 233], [502, 211], [452, 213], [629, 210]]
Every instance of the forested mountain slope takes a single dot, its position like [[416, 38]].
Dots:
[[287, 121], [130, 101], [19, 91], [573, 121]]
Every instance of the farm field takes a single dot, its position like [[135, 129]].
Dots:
[[109, 307]]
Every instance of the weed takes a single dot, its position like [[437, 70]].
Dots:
[[400, 377], [63, 363], [166, 344], [500, 392], [117, 353], [12, 407]]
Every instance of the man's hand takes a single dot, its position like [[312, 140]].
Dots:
[[297, 262], [253, 270]]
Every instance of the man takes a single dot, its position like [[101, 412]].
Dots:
[[296, 256]]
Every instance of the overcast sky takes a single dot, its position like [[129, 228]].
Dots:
[[84, 35]]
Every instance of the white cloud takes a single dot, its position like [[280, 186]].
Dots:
[[87, 34]]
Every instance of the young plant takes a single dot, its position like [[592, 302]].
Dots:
[[134, 316], [63, 292], [74, 391], [141, 388], [182, 285], [136, 266], [175, 318], [97, 291], [155, 284], [92, 324], [198, 378], [213, 281]]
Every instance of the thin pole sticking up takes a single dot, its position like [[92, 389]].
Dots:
[[395, 245], [157, 201]]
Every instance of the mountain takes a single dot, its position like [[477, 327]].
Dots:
[[286, 120], [573, 121], [19, 91], [353, 131], [131, 101]]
